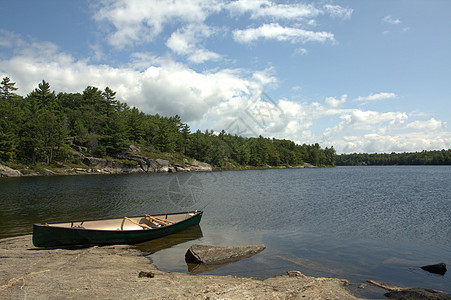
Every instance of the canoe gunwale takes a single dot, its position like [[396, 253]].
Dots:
[[54, 224]]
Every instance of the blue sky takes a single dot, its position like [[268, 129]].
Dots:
[[362, 76]]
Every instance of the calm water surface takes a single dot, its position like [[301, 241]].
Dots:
[[358, 223]]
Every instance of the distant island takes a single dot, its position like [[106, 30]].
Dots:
[[442, 157], [48, 132]]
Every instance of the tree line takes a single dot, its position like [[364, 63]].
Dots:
[[36, 129], [442, 157]]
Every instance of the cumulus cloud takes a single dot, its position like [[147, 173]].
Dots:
[[167, 87], [366, 120], [137, 22], [134, 22], [429, 125], [277, 32], [188, 40], [404, 142], [334, 102]]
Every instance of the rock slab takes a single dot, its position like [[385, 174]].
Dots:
[[207, 254]]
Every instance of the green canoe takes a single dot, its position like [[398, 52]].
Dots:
[[125, 230]]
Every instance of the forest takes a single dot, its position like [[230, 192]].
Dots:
[[442, 157], [36, 129]]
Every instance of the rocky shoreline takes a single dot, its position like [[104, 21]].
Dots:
[[125, 163], [113, 272], [121, 271]]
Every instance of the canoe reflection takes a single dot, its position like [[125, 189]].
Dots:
[[153, 246]]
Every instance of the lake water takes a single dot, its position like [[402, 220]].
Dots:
[[357, 223]]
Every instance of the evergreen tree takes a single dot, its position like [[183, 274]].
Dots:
[[7, 88], [45, 97]]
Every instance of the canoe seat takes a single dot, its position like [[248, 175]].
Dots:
[[143, 225]]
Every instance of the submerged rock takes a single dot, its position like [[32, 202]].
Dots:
[[439, 268], [207, 254]]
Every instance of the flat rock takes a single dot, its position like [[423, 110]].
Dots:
[[207, 254]]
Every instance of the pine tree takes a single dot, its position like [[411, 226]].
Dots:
[[7, 88]]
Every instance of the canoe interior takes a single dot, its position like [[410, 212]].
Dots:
[[127, 223]]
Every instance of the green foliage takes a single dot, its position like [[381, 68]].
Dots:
[[255, 152], [33, 131], [442, 157]]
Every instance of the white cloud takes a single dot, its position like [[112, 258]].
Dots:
[[265, 9], [338, 11], [167, 87], [429, 125], [301, 51], [366, 120], [133, 22], [137, 22], [334, 102], [9, 39], [292, 11], [390, 20], [188, 40], [202, 55], [277, 32], [377, 97], [405, 142]]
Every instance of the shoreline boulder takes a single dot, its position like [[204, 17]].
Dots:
[[8, 172], [207, 254]]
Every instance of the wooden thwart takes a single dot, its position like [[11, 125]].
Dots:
[[159, 220]]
